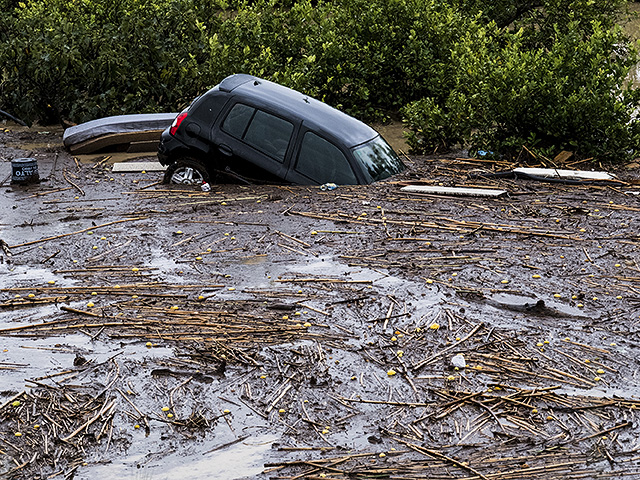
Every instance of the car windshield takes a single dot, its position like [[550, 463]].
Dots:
[[378, 159]]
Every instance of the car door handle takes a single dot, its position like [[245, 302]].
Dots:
[[225, 150]]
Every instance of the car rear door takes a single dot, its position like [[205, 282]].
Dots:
[[252, 140]]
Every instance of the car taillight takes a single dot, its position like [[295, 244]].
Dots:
[[176, 123]]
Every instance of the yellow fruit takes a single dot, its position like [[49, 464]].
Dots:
[[282, 410], [18, 434], [136, 426], [391, 372], [149, 344], [307, 324], [169, 415], [90, 304], [535, 276], [135, 269], [451, 378], [165, 409], [434, 326], [600, 371], [15, 403], [505, 281], [226, 410]]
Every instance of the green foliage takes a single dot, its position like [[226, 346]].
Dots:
[[490, 74], [86, 59], [572, 96]]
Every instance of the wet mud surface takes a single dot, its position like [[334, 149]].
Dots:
[[275, 332]]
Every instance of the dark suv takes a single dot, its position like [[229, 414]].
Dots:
[[253, 130]]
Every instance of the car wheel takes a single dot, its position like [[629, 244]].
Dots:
[[186, 171]]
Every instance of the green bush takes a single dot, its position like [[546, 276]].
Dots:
[[86, 59], [572, 96]]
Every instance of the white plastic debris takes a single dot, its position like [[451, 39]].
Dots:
[[459, 361], [206, 187]]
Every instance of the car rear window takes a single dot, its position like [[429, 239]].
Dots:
[[378, 159], [237, 120], [323, 162], [265, 132]]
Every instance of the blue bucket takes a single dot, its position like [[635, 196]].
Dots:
[[25, 170]]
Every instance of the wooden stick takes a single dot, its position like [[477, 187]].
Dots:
[[79, 231], [64, 175], [89, 422]]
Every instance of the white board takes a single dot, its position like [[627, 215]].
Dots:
[[138, 167], [459, 191], [567, 174]]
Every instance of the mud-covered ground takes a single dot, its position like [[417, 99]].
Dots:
[[277, 332]]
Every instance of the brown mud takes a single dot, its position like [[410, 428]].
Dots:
[[275, 332]]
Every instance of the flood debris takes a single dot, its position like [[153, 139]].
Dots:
[[137, 167], [555, 175], [134, 133], [456, 191], [160, 325]]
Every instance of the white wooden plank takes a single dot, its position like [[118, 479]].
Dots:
[[566, 174], [138, 167], [459, 191]]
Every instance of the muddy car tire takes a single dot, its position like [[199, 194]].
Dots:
[[186, 171]]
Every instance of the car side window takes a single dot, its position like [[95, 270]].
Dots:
[[323, 162], [270, 134], [237, 120], [265, 132]]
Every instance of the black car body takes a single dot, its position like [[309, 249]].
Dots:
[[252, 129]]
